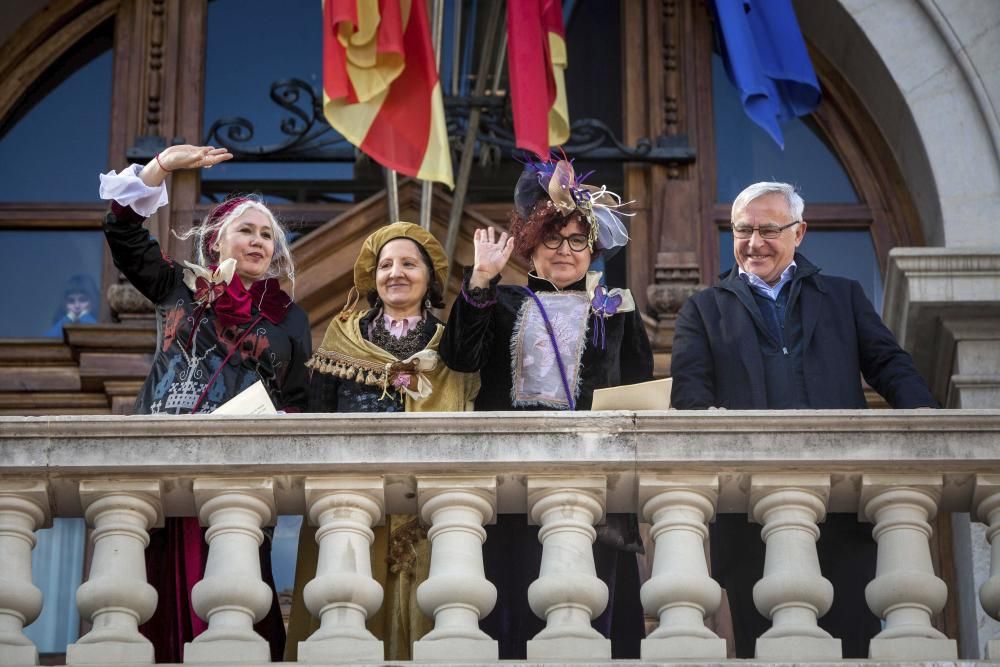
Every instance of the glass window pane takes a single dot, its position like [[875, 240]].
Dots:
[[56, 141], [745, 154], [849, 253], [57, 569], [56, 278], [251, 45]]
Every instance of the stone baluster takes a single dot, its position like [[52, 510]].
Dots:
[[232, 597], [116, 597], [456, 592], [343, 595], [680, 591], [986, 507], [793, 592], [24, 508], [567, 594], [905, 592]]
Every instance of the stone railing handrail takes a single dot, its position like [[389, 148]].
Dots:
[[844, 443], [785, 470]]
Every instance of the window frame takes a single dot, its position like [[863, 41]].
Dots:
[[886, 210]]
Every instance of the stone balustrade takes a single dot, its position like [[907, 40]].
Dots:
[[896, 469]]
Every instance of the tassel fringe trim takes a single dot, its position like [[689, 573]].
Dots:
[[361, 371]]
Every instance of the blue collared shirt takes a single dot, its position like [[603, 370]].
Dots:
[[763, 288]]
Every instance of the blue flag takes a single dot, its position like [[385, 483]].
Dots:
[[766, 59]]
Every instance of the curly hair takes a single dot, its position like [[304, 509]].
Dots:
[[435, 293], [544, 219]]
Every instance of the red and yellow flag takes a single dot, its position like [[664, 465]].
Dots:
[[536, 54], [380, 85]]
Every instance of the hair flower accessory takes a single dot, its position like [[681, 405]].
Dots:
[[557, 182], [208, 285]]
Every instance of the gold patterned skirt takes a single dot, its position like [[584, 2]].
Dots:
[[401, 559]]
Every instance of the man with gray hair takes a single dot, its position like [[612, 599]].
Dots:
[[775, 334]]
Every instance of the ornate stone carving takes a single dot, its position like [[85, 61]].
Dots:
[[672, 83], [128, 304], [677, 278], [154, 68]]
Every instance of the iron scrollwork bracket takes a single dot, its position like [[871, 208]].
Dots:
[[310, 138]]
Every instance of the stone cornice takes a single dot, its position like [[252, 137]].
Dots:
[[935, 297], [845, 444]]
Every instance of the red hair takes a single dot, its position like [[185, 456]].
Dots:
[[545, 218]]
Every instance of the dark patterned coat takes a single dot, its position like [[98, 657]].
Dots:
[[190, 353]]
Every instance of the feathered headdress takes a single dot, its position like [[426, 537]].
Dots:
[[556, 181]]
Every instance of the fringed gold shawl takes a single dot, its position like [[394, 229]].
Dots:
[[426, 383]]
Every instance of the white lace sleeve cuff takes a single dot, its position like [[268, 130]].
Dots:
[[128, 189]]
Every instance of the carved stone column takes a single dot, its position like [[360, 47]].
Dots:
[[793, 592], [24, 508], [668, 100], [567, 594], [676, 279], [986, 507], [232, 597], [343, 595], [680, 592], [905, 591], [116, 598], [456, 592]]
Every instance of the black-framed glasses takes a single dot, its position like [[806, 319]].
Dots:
[[765, 231], [577, 242]]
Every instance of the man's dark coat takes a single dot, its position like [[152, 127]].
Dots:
[[717, 360]]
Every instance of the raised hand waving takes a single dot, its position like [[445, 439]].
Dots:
[[492, 255]]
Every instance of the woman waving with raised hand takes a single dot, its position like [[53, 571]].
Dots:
[[548, 346], [223, 323]]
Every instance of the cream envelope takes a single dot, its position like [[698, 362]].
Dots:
[[653, 395], [253, 400]]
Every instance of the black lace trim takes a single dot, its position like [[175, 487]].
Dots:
[[403, 347]]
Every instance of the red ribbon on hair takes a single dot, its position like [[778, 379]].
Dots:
[[216, 214]]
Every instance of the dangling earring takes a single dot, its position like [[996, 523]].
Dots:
[[427, 303]]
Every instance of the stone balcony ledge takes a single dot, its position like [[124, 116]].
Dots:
[[785, 470], [844, 443]]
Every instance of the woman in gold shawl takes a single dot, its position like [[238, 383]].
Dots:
[[384, 359]]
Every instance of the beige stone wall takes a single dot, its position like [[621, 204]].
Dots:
[[928, 73]]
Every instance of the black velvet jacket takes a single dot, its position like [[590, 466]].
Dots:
[[478, 338]]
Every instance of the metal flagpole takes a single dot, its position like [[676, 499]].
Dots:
[[427, 188], [469, 145], [392, 194]]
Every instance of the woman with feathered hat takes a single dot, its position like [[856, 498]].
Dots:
[[549, 346]]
